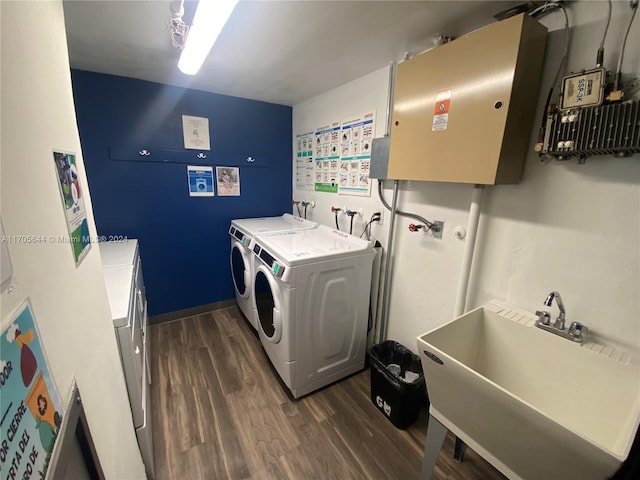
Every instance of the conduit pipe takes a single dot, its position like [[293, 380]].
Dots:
[[381, 321], [469, 249], [392, 79], [386, 289]]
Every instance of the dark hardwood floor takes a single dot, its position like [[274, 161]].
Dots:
[[219, 411]]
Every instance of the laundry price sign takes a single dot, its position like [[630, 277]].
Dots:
[[30, 409]]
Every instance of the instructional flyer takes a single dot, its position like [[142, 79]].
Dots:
[[30, 407], [327, 157], [228, 180], [196, 132], [72, 197], [305, 166], [200, 181], [356, 136]]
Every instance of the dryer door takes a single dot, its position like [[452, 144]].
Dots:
[[240, 268], [268, 303]]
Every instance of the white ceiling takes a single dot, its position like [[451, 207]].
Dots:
[[276, 51]]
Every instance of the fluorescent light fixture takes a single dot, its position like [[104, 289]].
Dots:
[[210, 17]]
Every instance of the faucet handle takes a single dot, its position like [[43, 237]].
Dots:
[[576, 329], [544, 317]]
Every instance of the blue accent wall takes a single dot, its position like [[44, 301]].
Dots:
[[184, 241]]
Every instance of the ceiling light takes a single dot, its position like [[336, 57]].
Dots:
[[210, 17]]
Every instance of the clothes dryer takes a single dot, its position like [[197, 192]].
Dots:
[[314, 325], [242, 232]]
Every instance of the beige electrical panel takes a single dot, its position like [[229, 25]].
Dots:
[[463, 112]]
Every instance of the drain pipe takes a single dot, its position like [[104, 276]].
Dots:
[[469, 249], [463, 282]]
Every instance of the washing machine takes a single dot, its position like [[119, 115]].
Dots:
[[242, 232], [314, 325]]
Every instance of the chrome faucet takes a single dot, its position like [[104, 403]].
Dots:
[[561, 316], [576, 329]]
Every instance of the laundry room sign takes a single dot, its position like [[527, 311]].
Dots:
[[200, 180], [304, 161], [327, 155], [355, 154], [340, 159], [30, 408], [196, 132]]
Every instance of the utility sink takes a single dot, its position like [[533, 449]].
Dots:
[[533, 404]]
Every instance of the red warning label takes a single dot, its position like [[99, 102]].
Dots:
[[443, 101], [441, 110]]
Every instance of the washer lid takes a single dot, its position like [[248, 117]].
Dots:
[[251, 226], [118, 253], [118, 281], [296, 247]]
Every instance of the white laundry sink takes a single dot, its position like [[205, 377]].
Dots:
[[535, 405]]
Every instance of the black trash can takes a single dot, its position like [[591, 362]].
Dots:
[[397, 382]]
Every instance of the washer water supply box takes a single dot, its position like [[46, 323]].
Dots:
[[397, 383]]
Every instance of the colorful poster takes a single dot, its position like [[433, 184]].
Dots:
[[30, 408], [73, 204], [326, 157], [200, 181], [228, 180], [305, 167], [196, 132], [356, 136]]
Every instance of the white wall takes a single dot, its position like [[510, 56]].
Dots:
[[69, 304], [566, 227]]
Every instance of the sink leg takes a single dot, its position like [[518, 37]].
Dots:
[[435, 436], [458, 450]]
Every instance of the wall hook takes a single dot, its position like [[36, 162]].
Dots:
[[201, 155], [144, 152], [251, 159]]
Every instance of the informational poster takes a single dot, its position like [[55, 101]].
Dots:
[[228, 180], [196, 132], [200, 181], [72, 196], [305, 166], [327, 157], [356, 136], [30, 408]]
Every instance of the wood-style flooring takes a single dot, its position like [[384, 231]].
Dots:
[[219, 411]]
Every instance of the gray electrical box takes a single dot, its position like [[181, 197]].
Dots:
[[380, 158]]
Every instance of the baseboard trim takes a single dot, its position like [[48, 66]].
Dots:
[[190, 312]]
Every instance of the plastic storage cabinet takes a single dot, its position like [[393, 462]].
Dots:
[[397, 383]]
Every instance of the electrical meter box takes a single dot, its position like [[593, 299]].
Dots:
[[463, 112]]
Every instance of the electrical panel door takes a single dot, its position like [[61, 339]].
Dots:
[[463, 112]]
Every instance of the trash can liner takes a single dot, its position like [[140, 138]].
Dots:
[[391, 352], [396, 397]]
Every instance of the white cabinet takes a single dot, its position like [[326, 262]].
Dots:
[[127, 298]]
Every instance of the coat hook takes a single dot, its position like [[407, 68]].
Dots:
[[144, 152], [251, 159], [201, 155]]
